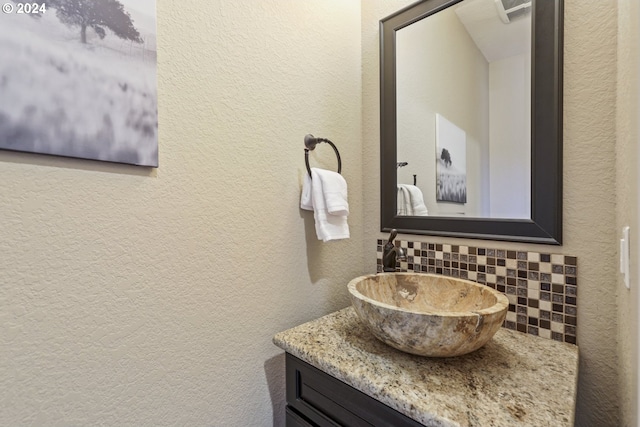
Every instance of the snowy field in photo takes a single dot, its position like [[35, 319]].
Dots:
[[60, 96], [451, 184]]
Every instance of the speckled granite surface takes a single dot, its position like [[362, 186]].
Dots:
[[514, 380]]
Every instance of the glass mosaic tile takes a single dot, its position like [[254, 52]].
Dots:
[[541, 287]]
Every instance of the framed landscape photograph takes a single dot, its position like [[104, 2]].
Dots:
[[78, 79], [451, 162]]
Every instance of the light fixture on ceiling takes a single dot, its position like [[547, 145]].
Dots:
[[508, 10]]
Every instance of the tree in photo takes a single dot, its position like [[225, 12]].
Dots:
[[446, 157], [98, 15]]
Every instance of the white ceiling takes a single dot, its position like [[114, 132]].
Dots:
[[494, 38]]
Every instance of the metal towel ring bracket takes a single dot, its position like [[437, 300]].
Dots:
[[310, 143]]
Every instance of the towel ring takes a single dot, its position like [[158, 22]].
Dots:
[[310, 143]]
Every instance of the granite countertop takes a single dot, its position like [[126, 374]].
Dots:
[[516, 379]]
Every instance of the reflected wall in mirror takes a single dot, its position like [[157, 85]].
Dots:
[[463, 111], [471, 119]]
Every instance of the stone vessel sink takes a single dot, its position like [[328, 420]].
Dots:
[[427, 314]]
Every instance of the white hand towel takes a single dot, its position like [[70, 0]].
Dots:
[[403, 201], [334, 189], [418, 207], [410, 201], [314, 197], [306, 202]]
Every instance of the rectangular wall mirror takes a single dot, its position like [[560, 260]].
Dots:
[[471, 119]]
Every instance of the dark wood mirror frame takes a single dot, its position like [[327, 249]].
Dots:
[[545, 225]]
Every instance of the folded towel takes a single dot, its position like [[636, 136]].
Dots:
[[403, 202], [306, 201], [334, 190], [417, 200], [411, 201], [326, 195]]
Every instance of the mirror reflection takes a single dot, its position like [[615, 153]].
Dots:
[[463, 94]]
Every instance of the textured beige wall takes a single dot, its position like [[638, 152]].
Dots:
[[149, 297], [135, 297], [589, 188], [627, 163]]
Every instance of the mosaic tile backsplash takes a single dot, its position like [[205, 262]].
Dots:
[[541, 287]]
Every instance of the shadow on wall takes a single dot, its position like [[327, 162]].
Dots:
[[316, 249], [70, 163], [314, 246], [274, 370]]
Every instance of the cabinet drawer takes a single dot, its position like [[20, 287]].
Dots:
[[293, 419], [328, 402]]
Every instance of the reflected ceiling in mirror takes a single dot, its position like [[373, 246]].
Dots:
[[463, 112], [471, 119]]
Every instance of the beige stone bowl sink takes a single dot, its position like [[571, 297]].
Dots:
[[427, 314]]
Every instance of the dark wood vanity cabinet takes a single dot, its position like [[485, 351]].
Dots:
[[315, 398]]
